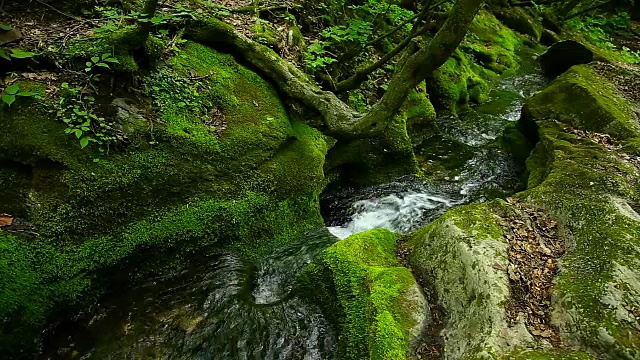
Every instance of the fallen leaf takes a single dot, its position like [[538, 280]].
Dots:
[[5, 220]]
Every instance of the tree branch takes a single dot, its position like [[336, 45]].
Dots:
[[340, 120], [362, 74]]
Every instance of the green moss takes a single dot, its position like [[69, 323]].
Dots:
[[456, 83], [266, 34], [248, 181], [488, 49], [375, 160], [363, 289], [420, 113], [582, 99], [518, 19], [118, 42], [593, 193]]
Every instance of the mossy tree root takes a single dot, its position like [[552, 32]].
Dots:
[[340, 120]]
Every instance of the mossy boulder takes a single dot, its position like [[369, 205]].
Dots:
[[582, 99], [222, 164], [375, 302], [464, 255], [518, 19], [563, 55], [592, 189], [488, 50]]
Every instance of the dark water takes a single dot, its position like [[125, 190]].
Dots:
[[220, 306]]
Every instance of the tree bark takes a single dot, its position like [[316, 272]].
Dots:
[[340, 120], [150, 8]]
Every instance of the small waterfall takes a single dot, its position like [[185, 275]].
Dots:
[[400, 213]]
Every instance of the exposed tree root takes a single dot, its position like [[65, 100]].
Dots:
[[339, 119]]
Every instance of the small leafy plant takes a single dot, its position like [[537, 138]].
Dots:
[[12, 92], [75, 110], [100, 61], [15, 54]]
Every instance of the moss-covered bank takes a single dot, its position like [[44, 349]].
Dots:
[[591, 187], [216, 160]]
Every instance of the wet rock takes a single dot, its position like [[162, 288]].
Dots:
[[10, 36], [464, 255], [563, 55], [549, 37]]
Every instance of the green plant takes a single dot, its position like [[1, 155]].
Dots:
[[101, 61], [118, 20], [15, 54], [76, 111], [12, 92]]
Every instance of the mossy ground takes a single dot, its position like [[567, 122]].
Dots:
[[186, 183], [362, 287]]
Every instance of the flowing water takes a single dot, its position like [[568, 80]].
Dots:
[[220, 306]]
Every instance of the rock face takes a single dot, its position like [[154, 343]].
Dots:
[[464, 254], [376, 304], [563, 55], [583, 174]]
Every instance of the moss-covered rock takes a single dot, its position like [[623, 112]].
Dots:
[[518, 19], [582, 99], [464, 255], [586, 181], [488, 50], [223, 164], [374, 301], [373, 161], [592, 189]]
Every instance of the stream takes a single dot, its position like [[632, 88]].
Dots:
[[220, 306]]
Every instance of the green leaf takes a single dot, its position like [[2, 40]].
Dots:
[[106, 55], [78, 133], [87, 69], [88, 64], [27, 93], [95, 59], [5, 27], [8, 99], [84, 142], [112, 60], [4, 54], [104, 65], [20, 54], [13, 89]]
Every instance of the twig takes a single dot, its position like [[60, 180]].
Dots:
[[67, 15]]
